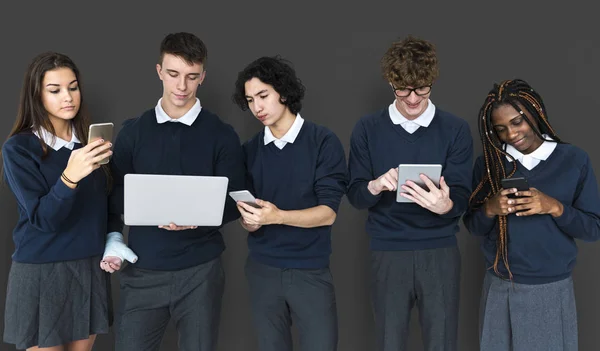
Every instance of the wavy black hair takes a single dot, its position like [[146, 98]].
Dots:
[[276, 72]]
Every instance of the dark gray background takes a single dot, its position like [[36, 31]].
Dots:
[[336, 48]]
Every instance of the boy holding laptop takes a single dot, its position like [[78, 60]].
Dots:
[[178, 274], [415, 259]]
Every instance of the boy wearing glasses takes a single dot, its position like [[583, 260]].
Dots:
[[415, 259]]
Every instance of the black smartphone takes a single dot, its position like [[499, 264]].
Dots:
[[520, 183]]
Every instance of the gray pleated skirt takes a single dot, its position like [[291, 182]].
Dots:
[[53, 304], [522, 317]]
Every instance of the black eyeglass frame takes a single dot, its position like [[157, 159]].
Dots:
[[410, 90]]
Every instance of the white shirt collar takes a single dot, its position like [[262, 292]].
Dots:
[[55, 142], [187, 119], [423, 120], [289, 137], [531, 160]]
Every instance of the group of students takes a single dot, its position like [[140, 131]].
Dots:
[[69, 232]]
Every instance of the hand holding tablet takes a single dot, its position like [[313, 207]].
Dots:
[[425, 186], [412, 172]]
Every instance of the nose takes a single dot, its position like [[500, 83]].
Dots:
[[68, 96], [181, 83], [257, 106], [412, 97], [513, 133]]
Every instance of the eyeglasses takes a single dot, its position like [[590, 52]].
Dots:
[[404, 92]]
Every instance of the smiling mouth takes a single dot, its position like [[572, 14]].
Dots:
[[519, 142], [413, 105]]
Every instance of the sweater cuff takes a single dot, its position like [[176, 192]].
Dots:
[[453, 213], [369, 198], [566, 217], [62, 191]]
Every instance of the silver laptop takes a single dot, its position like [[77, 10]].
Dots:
[[153, 200]]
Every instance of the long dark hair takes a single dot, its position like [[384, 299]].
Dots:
[[32, 114], [520, 95]]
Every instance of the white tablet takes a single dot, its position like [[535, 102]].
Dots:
[[153, 200], [412, 172]]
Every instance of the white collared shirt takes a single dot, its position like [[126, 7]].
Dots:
[[187, 119], [531, 160], [55, 142], [289, 137], [411, 126]]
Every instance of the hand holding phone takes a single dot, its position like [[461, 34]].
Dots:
[[244, 196], [520, 183], [101, 131]]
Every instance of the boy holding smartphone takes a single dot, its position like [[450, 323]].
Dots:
[[297, 170]]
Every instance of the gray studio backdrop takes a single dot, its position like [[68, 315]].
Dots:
[[336, 48]]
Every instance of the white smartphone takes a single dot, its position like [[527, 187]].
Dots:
[[101, 131], [244, 196], [412, 172]]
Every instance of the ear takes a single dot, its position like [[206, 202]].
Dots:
[[282, 99], [159, 71], [201, 78]]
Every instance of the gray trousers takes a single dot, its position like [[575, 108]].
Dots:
[[149, 299], [522, 317], [305, 297], [429, 279]]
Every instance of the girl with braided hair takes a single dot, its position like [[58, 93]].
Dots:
[[528, 237]]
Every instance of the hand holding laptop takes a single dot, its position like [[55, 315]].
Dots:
[[175, 227]]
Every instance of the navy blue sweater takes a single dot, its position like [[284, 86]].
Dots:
[[304, 174], [541, 248], [378, 145], [56, 223], [209, 147]]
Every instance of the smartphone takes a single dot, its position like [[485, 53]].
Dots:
[[520, 183], [101, 131], [244, 196]]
